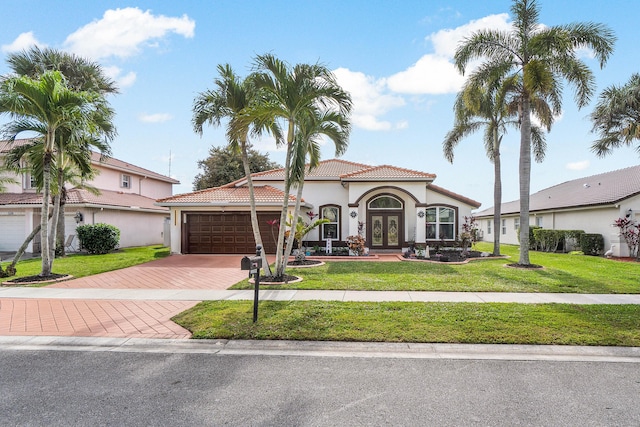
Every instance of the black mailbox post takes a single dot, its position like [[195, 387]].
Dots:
[[253, 265]]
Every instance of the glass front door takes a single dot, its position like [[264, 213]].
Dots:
[[386, 230]]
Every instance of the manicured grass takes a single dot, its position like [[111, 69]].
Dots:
[[561, 273], [80, 265], [490, 323]]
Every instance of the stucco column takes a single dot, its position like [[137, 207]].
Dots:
[[421, 224], [354, 217]]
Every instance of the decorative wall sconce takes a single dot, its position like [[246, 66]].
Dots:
[[78, 217], [353, 214], [629, 212]]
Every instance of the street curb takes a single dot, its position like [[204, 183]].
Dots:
[[327, 349]]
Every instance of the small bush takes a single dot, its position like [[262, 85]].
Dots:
[[548, 240], [592, 244], [98, 238], [533, 243]]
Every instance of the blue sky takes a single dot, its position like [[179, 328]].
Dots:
[[394, 57]]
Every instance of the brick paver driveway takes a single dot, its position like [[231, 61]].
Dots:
[[122, 318]]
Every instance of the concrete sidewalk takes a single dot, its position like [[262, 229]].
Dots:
[[194, 295]]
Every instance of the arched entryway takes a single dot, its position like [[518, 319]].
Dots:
[[385, 219]]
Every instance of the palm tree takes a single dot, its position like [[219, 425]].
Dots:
[[81, 75], [334, 126], [616, 117], [294, 94], [492, 106], [44, 106], [232, 99], [543, 57]]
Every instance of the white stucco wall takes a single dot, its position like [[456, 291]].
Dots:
[[110, 179], [591, 220], [137, 228]]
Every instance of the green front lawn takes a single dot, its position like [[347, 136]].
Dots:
[[488, 323], [80, 265], [561, 273]]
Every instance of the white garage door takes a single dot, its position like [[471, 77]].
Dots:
[[11, 232]]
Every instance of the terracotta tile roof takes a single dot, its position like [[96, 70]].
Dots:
[[78, 196], [330, 169], [453, 195], [386, 172], [605, 188], [109, 162], [226, 195]]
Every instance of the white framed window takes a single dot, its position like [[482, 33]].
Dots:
[[489, 221], [29, 182], [539, 221], [125, 181], [331, 229], [504, 226], [516, 224], [441, 223]]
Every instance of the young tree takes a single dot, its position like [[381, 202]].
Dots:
[[232, 100], [616, 117], [225, 165], [293, 95], [543, 57]]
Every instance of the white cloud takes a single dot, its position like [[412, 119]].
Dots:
[[115, 73], [123, 32], [435, 72], [578, 166], [155, 118], [22, 42], [370, 100], [432, 74]]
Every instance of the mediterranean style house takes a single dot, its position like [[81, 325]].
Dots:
[[390, 206], [590, 204], [126, 200]]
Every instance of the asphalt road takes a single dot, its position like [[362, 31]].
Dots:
[[93, 388]]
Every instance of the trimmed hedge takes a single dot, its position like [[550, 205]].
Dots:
[[592, 244], [98, 238]]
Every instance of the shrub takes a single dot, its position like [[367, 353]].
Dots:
[[356, 244], [98, 238], [572, 239], [592, 244], [548, 240], [533, 244]]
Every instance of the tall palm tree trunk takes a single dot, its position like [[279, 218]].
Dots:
[[294, 222], [280, 263], [497, 196], [254, 214], [525, 180], [44, 221]]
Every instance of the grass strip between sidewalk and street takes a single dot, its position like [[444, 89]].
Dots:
[[480, 323]]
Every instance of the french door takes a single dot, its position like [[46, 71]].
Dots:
[[385, 230]]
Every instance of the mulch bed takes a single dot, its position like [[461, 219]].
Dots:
[[30, 280], [306, 262]]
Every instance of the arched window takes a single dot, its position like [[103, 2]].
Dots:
[[385, 202], [441, 223]]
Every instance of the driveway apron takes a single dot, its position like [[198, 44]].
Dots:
[[122, 318]]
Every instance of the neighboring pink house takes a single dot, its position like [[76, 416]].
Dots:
[[392, 207], [127, 201]]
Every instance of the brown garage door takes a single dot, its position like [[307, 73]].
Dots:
[[226, 233]]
